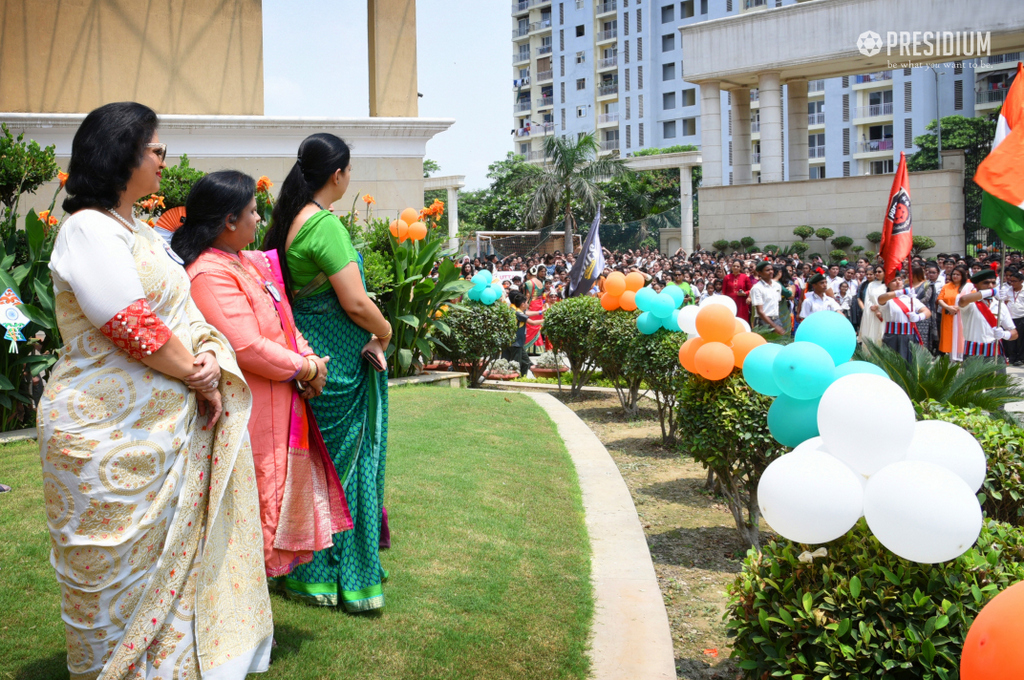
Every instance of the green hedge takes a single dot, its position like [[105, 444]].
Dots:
[[479, 333]]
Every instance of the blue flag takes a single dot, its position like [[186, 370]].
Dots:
[[590, 263]]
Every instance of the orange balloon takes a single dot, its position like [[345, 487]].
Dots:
[[615, 284], [740, 328], [742, 343], [394, 228], [417, 231], [402, 231], [716, 323], [992, 648], [635, 281], [409, 215], [714, 360], [610, 302], [627, 301], [687, 351]]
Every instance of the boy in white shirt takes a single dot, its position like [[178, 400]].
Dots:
[[904, 311], [765, 296], [986, 322]]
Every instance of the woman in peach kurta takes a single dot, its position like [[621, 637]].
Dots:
[[301, 501]]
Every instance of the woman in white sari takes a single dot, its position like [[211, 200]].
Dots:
[[872, 325], [148, 475]]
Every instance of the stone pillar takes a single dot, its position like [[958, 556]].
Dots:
[[392, 50], [770, 94], [711, 132], [797, 125], [741, 136], [686, 208], [453, 218]]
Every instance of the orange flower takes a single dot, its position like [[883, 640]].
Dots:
[[368, 200], [263, 183], [159, 201], [43, 215], [151, 222], [147, 205], [63, 177]]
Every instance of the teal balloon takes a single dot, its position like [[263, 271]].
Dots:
[[488, 296], [645, 298], [647, 323], [676, 293], [793, 421], [758, 369], [671, 322], [831, 331], [663, 305], [498, 289], [803, 370], [851, 367], [474, 293]]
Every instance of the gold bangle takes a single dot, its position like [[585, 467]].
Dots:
[[389, 333]]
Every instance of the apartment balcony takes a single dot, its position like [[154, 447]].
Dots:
[[519, 33], [755, 126], [999, 61], [754, 4], [538, 26], [607, 36], [990, 98], [609, 145], [873, 81], [544, 102], [545, 76], [874, 148], [867, 114], [522, 6], [608, 63], [521, 82], [520, 57], [815, 86], [532, 156], [816, 152], [755, 94], [523, 106], [755, 158], [608, 119], [602, 8], [543, 49], [816, 118], [542, 129]]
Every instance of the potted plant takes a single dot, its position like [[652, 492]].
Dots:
[[548, 365], [502, 369]]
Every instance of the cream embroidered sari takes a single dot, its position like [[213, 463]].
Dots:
[[157, 541]]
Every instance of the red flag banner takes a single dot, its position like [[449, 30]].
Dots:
[[897, 233]]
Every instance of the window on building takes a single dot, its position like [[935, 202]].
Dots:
[[730, 177], [581, 83], [627, 108], [689, 127], [703, 6], [561, 66], [625, 23], [958, 68], [668, 129], [882, 167], [730, 152], [816, 145], [524, 52], [625, 57], [907, 71], [817, 172], [639, 20], [581, 31], [846, 108], [627, 80], [561, 38], [561, 13], [728, 5], [686, 9], [641, 134], [563, 119], [639, 49], [958, 95], [668, 71], [581, 111], [639, 76], [640, 106], [881, 99], [629, 136], [668, 101], [908, 134], [668, 42], [846, 143], [561, 86], [580, 3], [846, 81], [524, 148], [689, 96], [846, 168], [908, 97], [668, 14]]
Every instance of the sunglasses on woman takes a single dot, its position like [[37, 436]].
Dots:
[[159, 148]]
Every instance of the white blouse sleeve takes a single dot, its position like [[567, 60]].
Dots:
[[92, 258]]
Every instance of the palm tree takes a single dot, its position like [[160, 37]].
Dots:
[[571, 172]]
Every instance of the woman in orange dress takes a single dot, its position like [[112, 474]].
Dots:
[[240, 293], [947, 303]]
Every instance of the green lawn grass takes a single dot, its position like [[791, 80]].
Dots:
[[489, 569]]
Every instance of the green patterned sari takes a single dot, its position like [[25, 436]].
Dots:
[[352, 413]]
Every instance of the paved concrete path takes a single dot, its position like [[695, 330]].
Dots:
[[631, 634]]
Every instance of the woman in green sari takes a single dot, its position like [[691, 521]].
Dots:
[[324, 280]]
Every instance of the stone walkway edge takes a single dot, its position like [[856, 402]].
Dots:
[[631, 634]]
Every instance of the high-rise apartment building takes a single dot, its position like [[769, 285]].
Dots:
[[614, 68]]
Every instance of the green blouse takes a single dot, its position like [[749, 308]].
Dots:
[[322, 245]]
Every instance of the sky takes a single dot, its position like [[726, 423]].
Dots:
[[315, 64]]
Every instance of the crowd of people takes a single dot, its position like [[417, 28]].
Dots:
[[216, 422], [932, 302]]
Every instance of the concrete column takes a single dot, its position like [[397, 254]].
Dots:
[[711, 132], [741, 136], [797, 125], [453, 218], [392, 50], [686, 208], [770, 94]]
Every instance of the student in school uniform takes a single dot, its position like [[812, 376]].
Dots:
[[987, 323], [818, 299], [904, 311]]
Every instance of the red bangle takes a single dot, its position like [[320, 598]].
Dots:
[[137, 330]]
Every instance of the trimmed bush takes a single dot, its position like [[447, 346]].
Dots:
[[804, 231], [567, 325], [874, 237], [837, 256], [747, 241], [799, 248], [824, 233], [735, 245], [842, 242], [751, 249], [921, 244], [720, 245], [612, 337], [478, 334], [857, 249], [771, 248], [861, 612]]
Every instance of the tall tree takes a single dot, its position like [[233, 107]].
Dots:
[[571, 172], [958, 132]]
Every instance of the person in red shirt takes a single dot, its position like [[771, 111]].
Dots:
[[737, 286]]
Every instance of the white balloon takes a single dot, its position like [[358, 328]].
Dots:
[[688, 320], [950, 446], [810, 497], [922, 511], [746, 326], [866, 421], [719, 300]]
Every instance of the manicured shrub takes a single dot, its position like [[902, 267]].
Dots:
[[799, 247], [861, 612], [612, 338], [837, 256], [874, 237], [921, 244], [804, 231], [747, 241], [824, 233], [771, 248], [567, 325], [735, 245], [478, 334], [751, 249], [857, 249], [720, 245], [842, 242]]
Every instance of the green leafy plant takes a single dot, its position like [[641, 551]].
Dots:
[[804, 231], [824, 234], [857, 250], [678, 148], [724, 426], [549, 359], [567, 325], [861, 612], [1003, 491], [747, 241], [921, 244], [842, 242], [720, 245], [477, 333], [751, 249], [24, 167], [655, 358], [612, 337], [176, 182], [974, 383], [874, 237], [799, 247], [735, 245], [837, 256], [771, 248], [870, 254]]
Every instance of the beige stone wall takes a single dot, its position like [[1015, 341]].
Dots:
[[391, 42], [850, 206], [176, 56]]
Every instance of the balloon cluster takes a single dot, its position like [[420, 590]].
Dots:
[[408, 226], [859, 451], [718, 341], [620, 291], [485, 289]]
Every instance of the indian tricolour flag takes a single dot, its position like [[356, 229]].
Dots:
[[1001, 174]]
